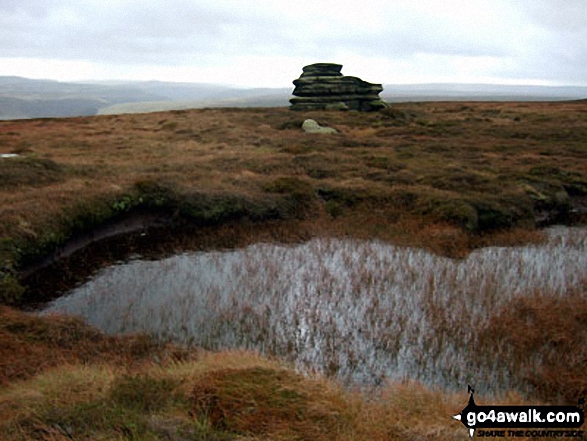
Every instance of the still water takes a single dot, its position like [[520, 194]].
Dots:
[[363, 311]]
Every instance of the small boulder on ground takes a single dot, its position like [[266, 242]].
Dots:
[[311, 126]]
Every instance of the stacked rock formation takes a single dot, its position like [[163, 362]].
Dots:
[[323, 87]]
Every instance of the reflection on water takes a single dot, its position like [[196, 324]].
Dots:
[[363, 311]]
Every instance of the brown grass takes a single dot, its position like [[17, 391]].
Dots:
[[30, 345], [555, 328], [477, 167], [85, 385], [272, 403], [446, 176]]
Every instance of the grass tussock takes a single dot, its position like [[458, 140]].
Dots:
[[30, 344], [271, 403], [555, 328], [29, 171]]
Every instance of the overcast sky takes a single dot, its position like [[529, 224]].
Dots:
[[265, 43]]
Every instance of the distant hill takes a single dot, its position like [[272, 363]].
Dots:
[[25, 98], [240, 98]]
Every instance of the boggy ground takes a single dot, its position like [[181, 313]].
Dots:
[[62, 380], [440, 175], [446, 176]]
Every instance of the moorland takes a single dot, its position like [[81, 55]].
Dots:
[[449, 177]]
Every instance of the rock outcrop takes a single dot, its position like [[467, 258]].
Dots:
[[323, 87]]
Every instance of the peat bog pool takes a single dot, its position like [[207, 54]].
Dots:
[[361, 311]]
